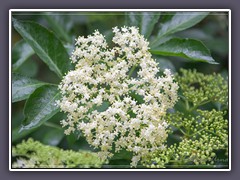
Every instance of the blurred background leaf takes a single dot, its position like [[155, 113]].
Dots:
[[144, 20]]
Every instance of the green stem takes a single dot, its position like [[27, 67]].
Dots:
[[202, 130], [131, 71], [118, 98], [196, 106], [183, 132], [187, 105], [49, 124]]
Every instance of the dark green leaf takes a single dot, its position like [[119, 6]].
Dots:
[[23, 86], [29, 68], [137, 97], [53, 137], [40, 106], [185, 48], [123, 154], [173, 138], [16, 135], [103, 107], [20, 53], [144, 20], [179, 22], [45, 44]]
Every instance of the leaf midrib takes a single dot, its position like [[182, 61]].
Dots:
[[21, 88], [26, 34], [162, 35], [49, 59], [177, 27]]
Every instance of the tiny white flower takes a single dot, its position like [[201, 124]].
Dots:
[[110, 107]]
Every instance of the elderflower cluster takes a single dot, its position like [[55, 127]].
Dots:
[[113, 109]]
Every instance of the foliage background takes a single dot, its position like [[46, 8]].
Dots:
[[212, 31]]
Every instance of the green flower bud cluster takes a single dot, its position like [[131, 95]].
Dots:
[[200, 89], [200, 133], [33, 154]]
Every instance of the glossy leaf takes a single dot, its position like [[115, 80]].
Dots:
[[23, 86], [186, 48], [46, 45], [144, 20], [20, 53], [178, 22], [40, 107]]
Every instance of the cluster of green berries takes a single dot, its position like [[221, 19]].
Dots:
[[200, 130]]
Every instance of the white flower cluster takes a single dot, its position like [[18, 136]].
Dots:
[[111, 108]]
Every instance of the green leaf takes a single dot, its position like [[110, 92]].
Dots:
[[59, 25], [103, 107], [178, 22], [23, 86], [16, 135], [185, 48], [123, 154], [53, 137], [20, 53], [40, 107], [46, 45], [29, 68], [144, 20]]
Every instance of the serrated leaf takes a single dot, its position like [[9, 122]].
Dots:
[[178, 22], [45, 44], [186, 48], [23, 86], [20, 53], [40, 107], [144, 20]]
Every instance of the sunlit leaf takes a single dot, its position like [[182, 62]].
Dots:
[[23, 86]]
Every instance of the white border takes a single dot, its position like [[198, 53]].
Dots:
[[117, 10]]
